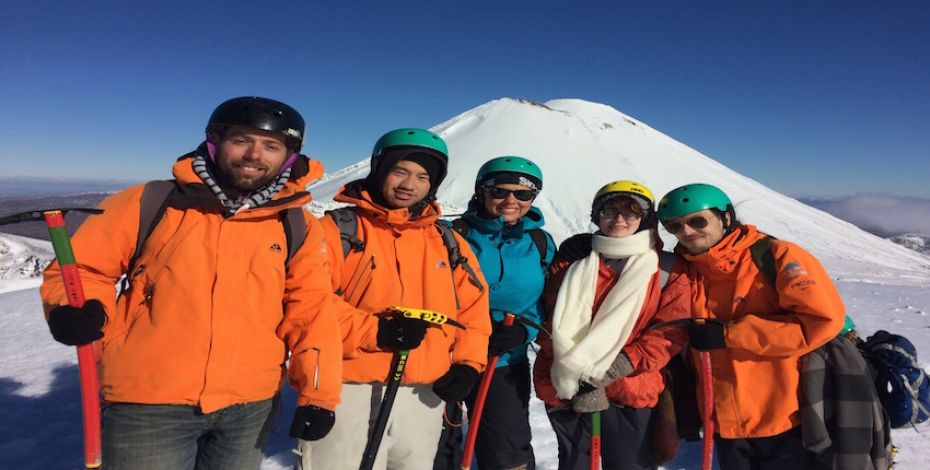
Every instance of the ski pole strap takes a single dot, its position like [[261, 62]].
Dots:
[[428, 316]]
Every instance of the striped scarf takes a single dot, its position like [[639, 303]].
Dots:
[[254, 199]]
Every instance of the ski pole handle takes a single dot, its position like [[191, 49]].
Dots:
[[87, 362], [428, 316]]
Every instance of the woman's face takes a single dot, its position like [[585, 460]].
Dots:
[[617, 218], [510, 201]]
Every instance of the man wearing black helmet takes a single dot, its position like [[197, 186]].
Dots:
[[231, 277]]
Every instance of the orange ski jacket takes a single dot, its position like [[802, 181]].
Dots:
[[211, 312], [769, 328], [404, 263]]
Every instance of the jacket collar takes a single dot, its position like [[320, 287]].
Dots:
[[723, 258], [355, 193], [532, 220], [294, 193]]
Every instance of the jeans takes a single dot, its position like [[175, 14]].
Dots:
[[156, 437]]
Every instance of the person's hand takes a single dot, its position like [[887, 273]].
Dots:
[[456, 383], [621, 367], [589, 402], [312, 423], [506, 337], [399, 333], [706, 336], [77, 325]]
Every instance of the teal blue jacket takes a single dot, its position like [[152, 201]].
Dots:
[[511, 266]]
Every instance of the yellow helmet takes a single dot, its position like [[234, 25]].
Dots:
[[636, 191]]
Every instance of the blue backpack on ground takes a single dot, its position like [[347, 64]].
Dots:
[[903, 386]]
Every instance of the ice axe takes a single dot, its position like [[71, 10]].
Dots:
[[483, 388], [398, 365], [87, 363]]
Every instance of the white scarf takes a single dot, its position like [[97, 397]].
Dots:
[[584, 348]]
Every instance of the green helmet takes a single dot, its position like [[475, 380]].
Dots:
[[510, 164], [408, 141], [692, 198], [411, 137]]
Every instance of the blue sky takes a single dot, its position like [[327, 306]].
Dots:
[[821, 98]]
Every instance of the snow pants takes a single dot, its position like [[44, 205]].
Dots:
[[163, 437], [625, 441], [780, 452], [409, 439], [504, 435]]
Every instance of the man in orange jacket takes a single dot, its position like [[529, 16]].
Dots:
[[761, 330], [398, 258], [193, 348]]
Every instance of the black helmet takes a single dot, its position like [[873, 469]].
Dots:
[[260, 113]]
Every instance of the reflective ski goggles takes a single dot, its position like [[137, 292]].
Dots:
[[520, 194], [697, 222]]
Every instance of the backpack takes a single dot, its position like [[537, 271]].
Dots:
[[158, 195], [346, 221], [538, 236], [903, 387]]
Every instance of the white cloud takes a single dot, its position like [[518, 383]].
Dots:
[[882, 214]]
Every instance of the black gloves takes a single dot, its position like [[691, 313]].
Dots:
[[506, 337], [457, 383], [399, 333], [312, 423], [706, 336], [74, 326]]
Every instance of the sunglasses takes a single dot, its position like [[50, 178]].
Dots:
[[611, 213], [696, 222], [520, 194]]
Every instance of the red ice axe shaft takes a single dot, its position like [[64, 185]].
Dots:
[[479, 404], [87, 363]]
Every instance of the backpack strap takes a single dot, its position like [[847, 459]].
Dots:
[[541, 241], [295, 231], [455, 254], [762, 256], [460, 226], [347, 222], [152, 206], [667, 262]]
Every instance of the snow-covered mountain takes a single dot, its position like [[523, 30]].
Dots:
[[22, 260], [580, 146], [918, 243]]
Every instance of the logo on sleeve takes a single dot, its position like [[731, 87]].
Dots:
[[793, 270]]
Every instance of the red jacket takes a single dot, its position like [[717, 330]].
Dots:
[[648, 351]]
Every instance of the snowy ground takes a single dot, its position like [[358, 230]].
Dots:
[[40, 428]]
